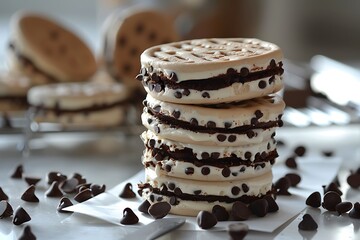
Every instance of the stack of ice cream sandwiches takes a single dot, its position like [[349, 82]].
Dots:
[[211, 115]]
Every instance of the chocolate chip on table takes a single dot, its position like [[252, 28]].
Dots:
[[206, 220], [79, 177], [220, 213], [332, 187], [55, 176], [32, 180], [355, 212], [294, 179], [300, 151], [259, 207], [238, 231], [272, 205], [330, 200], [97, 189], [3, 195], [69, 185], [6, 209], [129, 217], [308, 223], [343, 207], [29, 195], [144, 207], [127, 191], [353, 180], [27, 234], [54, 190], [83, 195], [18, 172], [282, 185], [327, 153], [20, 216], [159, 209], [64, 203], [240, 212], [290, 162], [314, 200]]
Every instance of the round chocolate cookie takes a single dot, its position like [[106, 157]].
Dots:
[[48, 52], [209, 71]]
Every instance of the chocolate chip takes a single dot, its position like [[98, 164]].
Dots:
[[331, 199], [272, 205], [144, 206], [177, 94], [271, 80], [197, 192], [97, 189], [254, 121], [32, 180], [163, 188], [308, 223], [294, 179], [3, 195], [173, 201], [232, 138], [247, 155], [332, 187], [220, 213], [290, 162], [177, 191], [171, 186], [215, 155], [259, 207], [300, 151], [168, 168], [314, 200], [55, 176], [231, 71], [235, 190], [343, 207], [176, 114], [234, 174], [83, 195], [20, 216], [282, 185], [186, 92], [27, 234], [69, 185], [6, 209], [64, 203], [245, 187], [353, 180], [206, 220], [238, 231], [194, 122], [205, 95], [227, 125], [127, 191], [328, 153], [173, 77], [244, 72], [159, 209], [355, 212], [262, 84], [189, 171], [139, 77], [239, 211], [205, 155], [205, 171], [221, 137], [54, 190], [226, 172], [129, 217], [18, 172], [250, 134], [272, 63], [29, 195]]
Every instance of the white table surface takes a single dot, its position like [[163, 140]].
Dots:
[[113, 157]]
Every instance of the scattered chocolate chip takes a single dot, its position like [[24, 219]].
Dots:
[[27, 234], [79, 177], [189, 171], [5, 209], [18, 172], [127, 192], [294, 179], [3, 195], [144, 206], [205, 171], [221, 137], [176, 114], [272, 205], [177, 94], [83, 195], [290, 162], [244, 72], [353, 180], [300, 151], [54, 190], [159, 209], [235, 190], [332, 187], [343, 207], [64, 202], [69, 185], [55, 176], [32, 180], [238, 231], [220, 213], [240, 212], [97, 189], [282, 185], [355, 212], [314, 200], [327, 153], [262, 84], [308, 223], [129, 217], [331, 199], [20, 216], [206, 220], [194, 122], [259, 207], [205, 95], [245, 187], [29, 195]]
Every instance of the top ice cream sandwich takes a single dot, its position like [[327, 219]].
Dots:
[[47, 52], [211, 71]]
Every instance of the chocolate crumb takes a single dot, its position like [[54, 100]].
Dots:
[[83, 195], [54, 190], [29, 195], [6, 209], [144, 206], [18, 172], [240, 212], [129, 217], [343, 207], [330, 200], [238, 231], [20, 216], [27, 234], [308, 223], [127, 191], [220, 213], [314, 200], [206, 220], [3, 195], [64, 202], [259, 207], [159, 209]]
